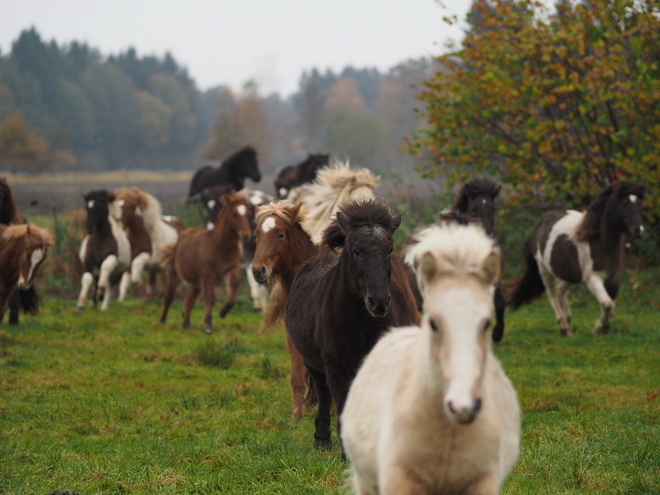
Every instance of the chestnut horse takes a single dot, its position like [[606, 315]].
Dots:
[[569, 247], [282, 247], [343, 300], [23, 248], [431, 410], [203, 257]]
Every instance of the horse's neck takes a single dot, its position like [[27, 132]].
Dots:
[[226, 241], [304, 251], [607, 251]]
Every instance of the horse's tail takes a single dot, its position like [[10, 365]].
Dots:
[[531, 285], [29, 300], [310, 394]]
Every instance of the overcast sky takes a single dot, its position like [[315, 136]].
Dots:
[[230, 42]]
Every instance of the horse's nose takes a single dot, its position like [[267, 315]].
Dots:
[[639, 231], [379, 307], [464, 413], [260, 274]]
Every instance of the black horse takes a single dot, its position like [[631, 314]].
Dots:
[[296, 175], [26, 299], [233, 170], [342, 301]]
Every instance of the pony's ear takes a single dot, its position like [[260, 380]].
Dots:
[[427, 267], [343, 222], [295, 210], [497, 191], [491, 268], [396, 221]]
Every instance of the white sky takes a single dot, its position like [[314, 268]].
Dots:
[[232, 41]]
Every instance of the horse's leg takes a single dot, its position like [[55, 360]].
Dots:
[[85, 283], [4, 297], [258, 292], [106, 299], [500, 305], [107, 267], [234, 281], [322, 419], [168, 296], [137, 266], [486, 485], [208, 294], [298, 379], [597, 288], [123, 285], [151, 280], [550, 282], [338, 385], [14, 307], [394, 479], [562, 296], [189, 304]]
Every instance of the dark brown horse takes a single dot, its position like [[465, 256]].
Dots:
[[569, 247], [304, 172], [343, 300], [204, 257], [23, 248], [25, 298], [233, 170], [282, 247]]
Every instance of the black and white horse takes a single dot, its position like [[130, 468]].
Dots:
[[105, 252], [233, 170], [569, 247], [211, 200]]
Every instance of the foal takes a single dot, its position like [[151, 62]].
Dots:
[[343, 300], [22, 250], [431, 410], [282, 247], [203, 257]]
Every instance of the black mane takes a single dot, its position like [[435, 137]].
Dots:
[[475, 187], [361, 213]]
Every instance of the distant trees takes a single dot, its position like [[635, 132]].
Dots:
[[556, 104]]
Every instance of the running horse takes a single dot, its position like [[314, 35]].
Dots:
[[293, 176], [23, 248], [569, 247], [233, 170]]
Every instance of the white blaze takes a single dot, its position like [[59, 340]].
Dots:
[[37, 256], [211, 204], [90, 204], [268, 224], [633, 198], [241, 209], [283, 192]]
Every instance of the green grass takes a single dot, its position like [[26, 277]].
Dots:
[[110, 402]]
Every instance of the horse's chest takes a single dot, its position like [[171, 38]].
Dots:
[[97, 249]]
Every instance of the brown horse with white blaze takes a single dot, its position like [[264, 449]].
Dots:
[[23, 248], [203, 257], [282, 247]]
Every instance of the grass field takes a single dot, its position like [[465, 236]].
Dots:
[[113, 403]]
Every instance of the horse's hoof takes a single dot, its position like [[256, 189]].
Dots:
[[322, 444], [208, 330], [80, 309], [565, 333], [258, 310]]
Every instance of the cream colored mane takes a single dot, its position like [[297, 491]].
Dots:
[[280, 209]]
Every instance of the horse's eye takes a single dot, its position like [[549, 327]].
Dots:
[[486, 326], [281, 236], [434, 327], [355, 252]]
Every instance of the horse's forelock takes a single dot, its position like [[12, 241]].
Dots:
[[368, 212], [285, 211], [626, 188]]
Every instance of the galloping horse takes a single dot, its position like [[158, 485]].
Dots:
[[281, 248], [293, 176], [105, 252], [233, 170], [431, 410], [343, 300], [148, 233], [569, 247], [22, 250], [25, 298], [203, 257]]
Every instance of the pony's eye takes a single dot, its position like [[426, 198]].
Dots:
[[355, 252], [434, 327], [486, 326], [281, 236]]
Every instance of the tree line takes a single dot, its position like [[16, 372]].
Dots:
[[68, 107]]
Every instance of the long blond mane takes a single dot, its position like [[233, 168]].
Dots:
[[334, 185]]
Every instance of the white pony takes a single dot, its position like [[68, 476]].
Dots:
[[431, 410], [334, 185]]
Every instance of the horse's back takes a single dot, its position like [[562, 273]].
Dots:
[[197, 183], [555, 247]]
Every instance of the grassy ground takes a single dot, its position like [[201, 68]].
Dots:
[[113, 403]]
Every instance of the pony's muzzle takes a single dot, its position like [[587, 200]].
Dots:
[[260, 274], [464, 414], [638, 232], [379, 307]]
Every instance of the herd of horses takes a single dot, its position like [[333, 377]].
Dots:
[[399, 344]]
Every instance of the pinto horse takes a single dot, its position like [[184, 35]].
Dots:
[[343, 300], [105, 252], [569, 247], [233, 170], [203, 257], [23, 248], [293, 176], [281, 248], [148, 233], [431, 410], [25, 298]]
